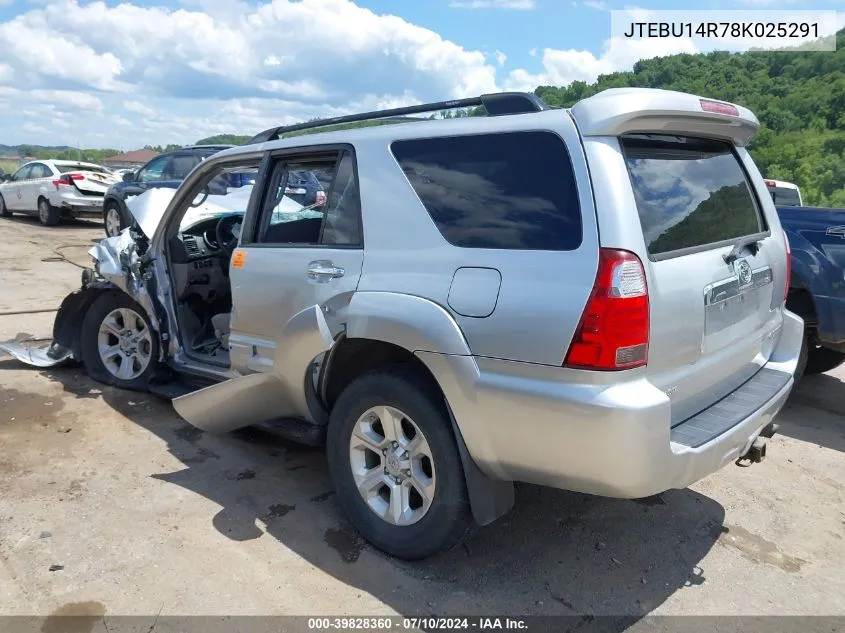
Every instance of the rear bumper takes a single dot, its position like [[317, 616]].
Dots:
[[520, 423], [78, 204]]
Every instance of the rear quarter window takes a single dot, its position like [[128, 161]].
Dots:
[[690, 193], [513, 190]]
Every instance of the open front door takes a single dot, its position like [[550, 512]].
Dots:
[[293, 262], [261, 397]]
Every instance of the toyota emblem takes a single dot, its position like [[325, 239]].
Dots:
[[743, 272]]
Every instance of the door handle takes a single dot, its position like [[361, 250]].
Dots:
[[324, 270]]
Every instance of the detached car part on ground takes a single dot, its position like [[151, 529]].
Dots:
[[560, 297]]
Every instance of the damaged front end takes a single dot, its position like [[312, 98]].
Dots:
[[119, 264]]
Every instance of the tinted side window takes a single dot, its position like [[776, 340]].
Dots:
[[22, 173], [41, 171], [295, 216], [342, 224], [154, 169], [513, 190], [689, 192], [180, 166]]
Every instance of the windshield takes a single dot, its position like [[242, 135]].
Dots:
[[226, 194], [785, 197]]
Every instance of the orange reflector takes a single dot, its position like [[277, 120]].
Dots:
[[238, 259]]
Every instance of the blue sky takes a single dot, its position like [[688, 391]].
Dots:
[[125, 74]]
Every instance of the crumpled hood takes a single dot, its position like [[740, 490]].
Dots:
[[148, 208]]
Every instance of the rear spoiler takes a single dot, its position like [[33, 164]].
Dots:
[[620, 111]]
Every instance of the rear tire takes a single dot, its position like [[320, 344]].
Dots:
[[358, 465], [118, 344], [822, 359], [47, 213], [4, 211]]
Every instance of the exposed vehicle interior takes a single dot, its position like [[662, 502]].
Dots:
[[209, 231]]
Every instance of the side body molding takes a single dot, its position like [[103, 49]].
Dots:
[[417, 324], [261, 397]]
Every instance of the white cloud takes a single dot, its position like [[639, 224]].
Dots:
[[598, 5], [639, 14], [562, 67], [158, 76], [32, 128], [138, 108], [492, 4]]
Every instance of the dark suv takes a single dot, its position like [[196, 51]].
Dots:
[[165, 170]]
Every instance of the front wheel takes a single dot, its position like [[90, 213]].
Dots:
[[395, 465], [4, 210], [47, 213], [118, 344], [113, 220]]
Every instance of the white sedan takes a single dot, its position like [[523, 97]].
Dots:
[[53, 189]]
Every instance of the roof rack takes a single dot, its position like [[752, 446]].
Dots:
[[496, 104]]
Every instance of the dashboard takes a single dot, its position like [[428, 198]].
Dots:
[[200, 265], [197, 243]]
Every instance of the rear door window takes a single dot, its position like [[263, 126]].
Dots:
[[785, 197], [690, 193], [512, 190]]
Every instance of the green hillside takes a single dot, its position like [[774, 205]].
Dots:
[[798, 97]]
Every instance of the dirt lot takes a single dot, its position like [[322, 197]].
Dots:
[[148, 515]]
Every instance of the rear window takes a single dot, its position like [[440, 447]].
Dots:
[[513, 190], [63, 169], [689, 192], [785, 196]]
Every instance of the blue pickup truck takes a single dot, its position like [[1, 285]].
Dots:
[[817, 285]]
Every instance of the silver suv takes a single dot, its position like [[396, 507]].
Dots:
[[590, 299]]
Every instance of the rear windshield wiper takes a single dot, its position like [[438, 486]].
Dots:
[[753, 244]]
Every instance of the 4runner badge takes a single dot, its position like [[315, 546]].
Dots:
[[743, 272]]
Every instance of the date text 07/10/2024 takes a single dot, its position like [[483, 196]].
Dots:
[[418, 623]]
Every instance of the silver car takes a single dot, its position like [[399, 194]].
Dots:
[[590, 299]]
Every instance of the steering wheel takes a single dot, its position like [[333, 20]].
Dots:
[[226, 239]]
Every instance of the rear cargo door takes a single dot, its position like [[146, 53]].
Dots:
[[712, 256]]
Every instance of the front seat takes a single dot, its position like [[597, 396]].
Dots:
[[221, 324]]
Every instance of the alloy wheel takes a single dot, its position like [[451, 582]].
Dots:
[[124, 343], [112, 222], [392, 465]]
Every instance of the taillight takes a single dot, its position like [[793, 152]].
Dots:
[[788, 266], [613, 331], [67, 180]]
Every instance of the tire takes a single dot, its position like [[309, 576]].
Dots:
[[4, 212], [446, 519], [822, 359], [113, 218], [47, 213], [123, 314]]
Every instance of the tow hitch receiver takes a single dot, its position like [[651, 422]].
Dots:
[[756, 453]]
